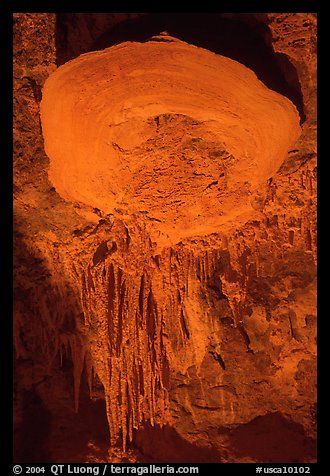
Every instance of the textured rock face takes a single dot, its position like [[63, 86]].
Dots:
[[165, 129], [198, 332]]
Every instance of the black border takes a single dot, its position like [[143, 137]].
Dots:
[[6, 204], [261, 6]]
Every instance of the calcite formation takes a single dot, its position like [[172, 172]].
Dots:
[[173, 259], [164, 129]]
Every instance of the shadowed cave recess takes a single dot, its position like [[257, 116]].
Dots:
[[165, 237]]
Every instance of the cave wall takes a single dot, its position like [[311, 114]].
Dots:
[[256, 287]]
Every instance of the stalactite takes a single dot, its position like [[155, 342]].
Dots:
[[78, 358], [89, 372], [127, 338], [127, 313]]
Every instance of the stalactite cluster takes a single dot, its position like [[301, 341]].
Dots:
[[136, 319]]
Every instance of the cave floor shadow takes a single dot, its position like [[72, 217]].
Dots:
[[273, 439], [165, 445]]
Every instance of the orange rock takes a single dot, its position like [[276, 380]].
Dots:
[[165, 130], [203, 350]]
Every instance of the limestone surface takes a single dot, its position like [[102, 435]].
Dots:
[[165, 130], [165, 243]]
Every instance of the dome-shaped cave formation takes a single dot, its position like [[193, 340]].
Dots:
[[179, 303], [164, 129]]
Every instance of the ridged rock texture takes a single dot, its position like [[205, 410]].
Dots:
[[165, 241], [164, 129]]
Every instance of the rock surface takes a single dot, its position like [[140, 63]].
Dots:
[[199, 336], [167, 130]]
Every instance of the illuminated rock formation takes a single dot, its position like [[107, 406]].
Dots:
[[165, 130], [174, 138], [166, 254]]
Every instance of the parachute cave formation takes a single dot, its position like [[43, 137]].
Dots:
[[165, 237]]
